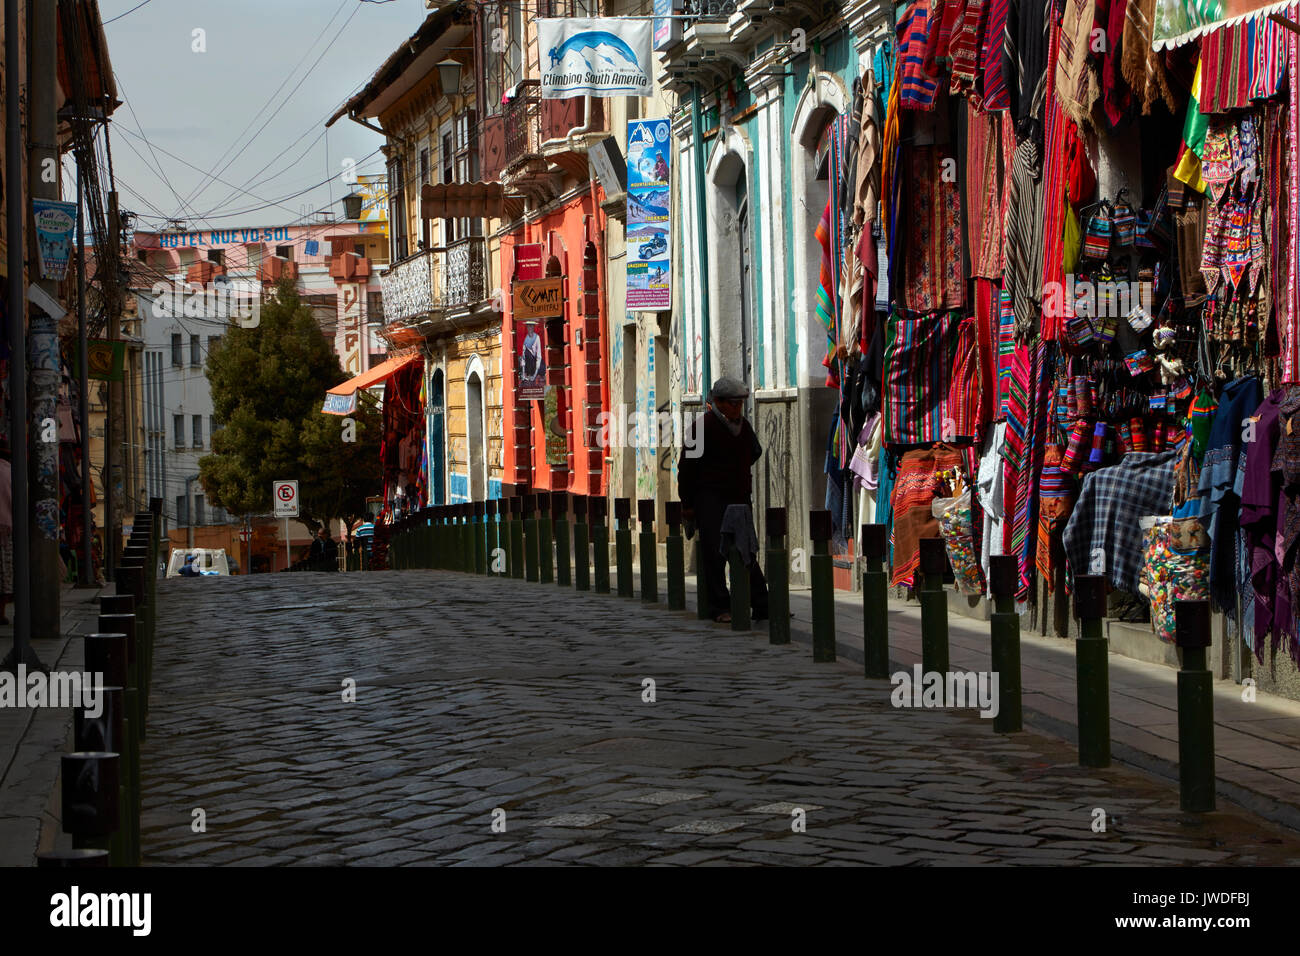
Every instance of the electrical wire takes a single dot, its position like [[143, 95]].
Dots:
[[121, 15]]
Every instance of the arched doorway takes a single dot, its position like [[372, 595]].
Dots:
[[474, 430], [437, 440], [732, 333]]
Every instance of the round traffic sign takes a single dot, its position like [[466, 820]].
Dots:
[[286, 492], [245, 535]]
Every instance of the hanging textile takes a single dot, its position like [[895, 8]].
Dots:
[[914, 492], [917, 86], [1289, 311], [934, 278], [918, 369], [1024, 237], [1105, 521], [1262, 506], [1072, 71]]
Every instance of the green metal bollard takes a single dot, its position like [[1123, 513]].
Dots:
[[492, 535], [563, 545], [1004, 628], [107, 733], [875, 602], [530, 538], [1092, 672], [648, 548], [821, 571], [581, 545], [676, 557], [1195, 708], [778, 576], [703, 607], [598, 508], [934, 606], [545, 547], [426, 538], [739, 585], [480, 537], [467, 534], [517, 536], [623, 545], [106, 654]]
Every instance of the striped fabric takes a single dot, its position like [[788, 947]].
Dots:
[[996, 95], [1268, 58], [1006, 349], [1055, 161], [986, 322], [966, 52], [1072, 73], [824, 297], [1224, 69], [1024, 236], [911, 498], [1025, 517], [1290, 309], [963, 406], [917, 87], [918, 369]]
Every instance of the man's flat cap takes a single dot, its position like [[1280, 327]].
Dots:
[[727, 387]]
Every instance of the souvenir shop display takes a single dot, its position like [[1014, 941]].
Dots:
[[1073, 271]]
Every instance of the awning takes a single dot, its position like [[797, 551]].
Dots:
[[342, 398], [477, 200]]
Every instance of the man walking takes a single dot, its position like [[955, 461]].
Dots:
[[718, 477]]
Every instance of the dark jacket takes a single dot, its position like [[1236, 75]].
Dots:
[[723, 470]]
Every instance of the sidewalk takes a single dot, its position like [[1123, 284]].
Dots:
[[1257, 745], [32, 740]]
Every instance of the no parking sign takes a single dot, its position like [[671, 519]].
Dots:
[[285, 495]]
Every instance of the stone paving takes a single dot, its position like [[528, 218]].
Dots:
[[499, 722]]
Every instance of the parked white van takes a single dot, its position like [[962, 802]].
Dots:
[[207, 561]]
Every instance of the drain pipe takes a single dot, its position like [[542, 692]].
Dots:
[[702, 245], [586, 123]]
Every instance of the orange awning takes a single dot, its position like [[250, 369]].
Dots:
[[477, 200], [375, 375]]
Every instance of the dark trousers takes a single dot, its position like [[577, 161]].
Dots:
[[708, 518]]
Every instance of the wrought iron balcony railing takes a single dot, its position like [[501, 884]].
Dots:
[[445, 277]]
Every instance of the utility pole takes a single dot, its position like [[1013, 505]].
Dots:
[[85, 569], [15, 262], [43, 344]]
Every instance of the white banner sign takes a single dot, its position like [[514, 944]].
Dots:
[[595, 57]]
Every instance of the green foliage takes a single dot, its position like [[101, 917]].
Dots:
[[268, 384]]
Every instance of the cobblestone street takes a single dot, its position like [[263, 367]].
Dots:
[[474, 695]]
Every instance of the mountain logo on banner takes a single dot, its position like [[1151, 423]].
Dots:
[[595, 57]]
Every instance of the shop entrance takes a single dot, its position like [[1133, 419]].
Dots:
[[437, 440]]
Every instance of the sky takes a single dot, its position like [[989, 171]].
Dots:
[[245, 100]]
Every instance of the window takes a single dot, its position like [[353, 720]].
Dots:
[[375, 308], [198, 510], [198, 430], [178, 356], [424, 164], [397, 209], [178, 428], [182, 518], [218, 256], [359, 248], [142, 255], [284, 252], [196, 354]]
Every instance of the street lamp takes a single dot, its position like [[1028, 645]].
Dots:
[[449, 77]]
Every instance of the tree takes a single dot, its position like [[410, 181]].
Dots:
[[268, 383]]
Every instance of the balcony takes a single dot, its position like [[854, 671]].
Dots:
[[530, 148], [275, 268], [435, 281], [349, 267]]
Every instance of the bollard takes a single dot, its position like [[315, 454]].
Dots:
[[703, 610], [560, 528], [517, 557], [496, 543], [875, 602], [934, 606], [648, 551], [822, 572], [676, 546], [778, 576], [1004, 628], [1092, 672], [597, 508], [113, 652], [581, 545], [467, 534], [545, 547], [530, 538], [623, 545], [71, 859], [108, 733], [440, 527], [739, 584], [480, 537], [130, 584], [1195, 708], [90, 786], [426, 537]]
